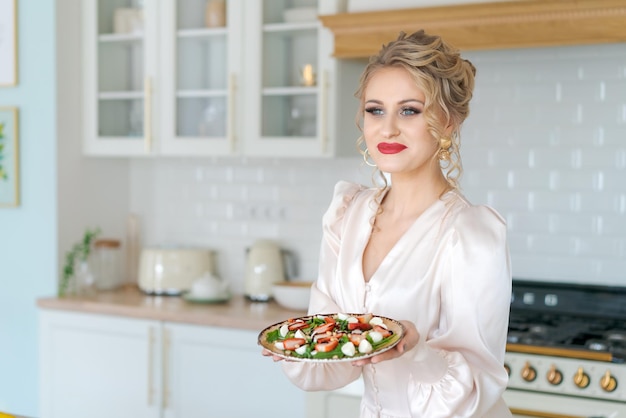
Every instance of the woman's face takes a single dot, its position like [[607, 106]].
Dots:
[[394, 127]]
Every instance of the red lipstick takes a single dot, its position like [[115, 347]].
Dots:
[[390, 148]]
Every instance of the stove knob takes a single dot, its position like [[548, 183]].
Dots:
[[554, 376], [581, 379], [608, 382], [528, 372]]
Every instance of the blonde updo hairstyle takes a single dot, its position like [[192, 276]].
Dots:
[[446, 79]]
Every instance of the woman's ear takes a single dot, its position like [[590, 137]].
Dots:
[[448, 131]]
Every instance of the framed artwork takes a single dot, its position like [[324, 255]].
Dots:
[[8, 43], [9, 158]]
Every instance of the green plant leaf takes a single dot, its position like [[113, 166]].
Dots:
[[81, 251]]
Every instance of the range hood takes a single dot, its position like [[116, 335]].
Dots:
[[476, 26]]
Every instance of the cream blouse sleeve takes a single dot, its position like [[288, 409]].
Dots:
[[320, 376], [460, 372]]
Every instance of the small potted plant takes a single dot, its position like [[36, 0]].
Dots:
[[77, 259]]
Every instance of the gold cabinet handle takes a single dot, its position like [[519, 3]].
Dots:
[[150, 384], [324, 116], [232, 91], [165, 373], [147, 113]]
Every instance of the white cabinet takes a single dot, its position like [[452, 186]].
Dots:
[[95, 366], [159, 81], [201, 71], [288, 91], [218, 372], [340, 403], [102, 366]]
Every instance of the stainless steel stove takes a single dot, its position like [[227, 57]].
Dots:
[[566, 351]]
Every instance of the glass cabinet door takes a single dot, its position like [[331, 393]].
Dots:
[[199, 45], [119, 75], [289, 84]]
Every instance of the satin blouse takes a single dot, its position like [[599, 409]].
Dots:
[[450, 275]]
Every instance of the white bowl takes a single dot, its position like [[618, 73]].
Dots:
[[292, 295]]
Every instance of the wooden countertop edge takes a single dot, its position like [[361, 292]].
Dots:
[[237, 313]]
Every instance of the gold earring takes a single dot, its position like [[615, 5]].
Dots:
[[366, 157], [444, 146]]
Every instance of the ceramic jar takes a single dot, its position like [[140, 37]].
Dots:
[[215, 13]]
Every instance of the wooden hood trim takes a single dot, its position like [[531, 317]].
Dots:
[[480, 26]]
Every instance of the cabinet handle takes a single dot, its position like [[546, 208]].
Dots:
[[232, 89], [324, 107], [147, 113], [166, 377], [150, 365]]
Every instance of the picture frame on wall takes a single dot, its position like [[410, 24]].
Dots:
[[9, 157], [8, 43]]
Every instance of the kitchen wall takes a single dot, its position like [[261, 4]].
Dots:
[[28, 232], [62, 192], [545, 145]]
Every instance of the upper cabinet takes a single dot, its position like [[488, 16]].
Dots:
[[288, 84], [208, 77], [200, 62], [160, 77], [120, 68], [484, 25]]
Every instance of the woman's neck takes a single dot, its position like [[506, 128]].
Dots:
[[408, 198]]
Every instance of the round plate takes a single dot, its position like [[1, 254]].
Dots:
[[195, 299], [392, 324]]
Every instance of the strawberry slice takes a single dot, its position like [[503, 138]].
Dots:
[[325, 347], [356, 339], [297, 325], [383, 331], [364, 326], [293, 343], [322, 329], [324, 339], [365, 318]]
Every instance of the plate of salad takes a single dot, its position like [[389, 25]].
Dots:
[[332, 337]]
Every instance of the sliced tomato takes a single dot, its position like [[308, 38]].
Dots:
[[322, 329], [325, 347], [297, 325], [365, 318], [383, 331], [293, 343], [356, 339], [364, 326]]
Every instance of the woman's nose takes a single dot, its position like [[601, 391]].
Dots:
[[390, 127]]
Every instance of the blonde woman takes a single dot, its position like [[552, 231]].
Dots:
[[415, 249]]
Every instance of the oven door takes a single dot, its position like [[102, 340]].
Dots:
[[525, 404]]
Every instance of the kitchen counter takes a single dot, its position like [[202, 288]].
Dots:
[[130, 302]]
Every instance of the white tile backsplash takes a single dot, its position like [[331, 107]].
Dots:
[[545, 145]]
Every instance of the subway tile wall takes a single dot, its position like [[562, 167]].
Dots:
[[545, 145]]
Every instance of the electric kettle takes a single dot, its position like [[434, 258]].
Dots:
[[266, 264]]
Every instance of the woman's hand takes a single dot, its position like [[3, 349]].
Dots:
[[268, 353], [408, 341]]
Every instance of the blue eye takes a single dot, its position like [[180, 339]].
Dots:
[[374, 110], [409, 111]]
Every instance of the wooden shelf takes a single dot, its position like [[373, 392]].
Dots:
[[497, 25]]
